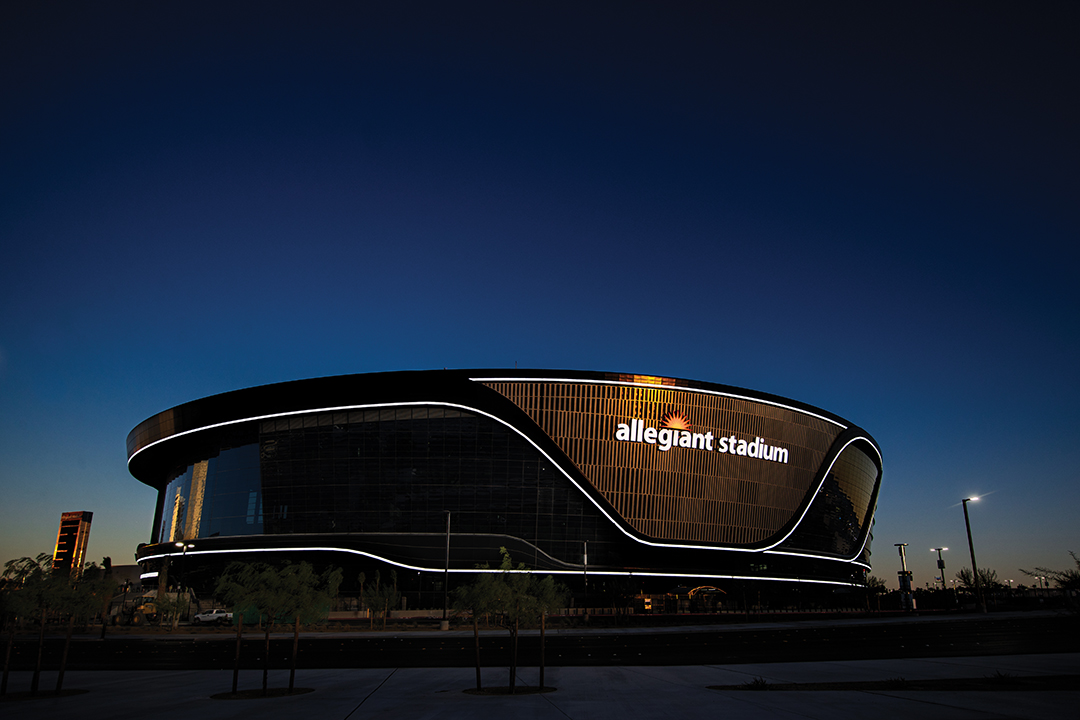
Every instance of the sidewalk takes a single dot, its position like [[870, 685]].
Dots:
[[593, 693]]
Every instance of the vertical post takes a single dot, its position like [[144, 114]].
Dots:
[[971, 549], [163, 577], [183, 574], [183, 581], [41, 644], [543, 615], [445, 625], [585, 572], [907, 600], [941, 565], [236, 658]]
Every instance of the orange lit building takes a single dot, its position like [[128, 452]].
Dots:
[[71, 540]]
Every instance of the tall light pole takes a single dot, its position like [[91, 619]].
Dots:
[[585, 568], [971, 548], [445, 624], [183, 546], [183, 575], [940, 565]]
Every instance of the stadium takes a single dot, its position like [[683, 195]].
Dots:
[[594, 477]]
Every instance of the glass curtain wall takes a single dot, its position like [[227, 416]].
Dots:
[[385, 471]]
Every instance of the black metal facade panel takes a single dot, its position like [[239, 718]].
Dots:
[[403, 386]]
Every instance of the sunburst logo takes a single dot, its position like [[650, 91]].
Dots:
[[675, 421]]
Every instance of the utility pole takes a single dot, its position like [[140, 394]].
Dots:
[[940, 565], [971, 548], [445, 624], [907, 600]]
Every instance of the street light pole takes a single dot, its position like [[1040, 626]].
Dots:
[[940, 564], [971, 548], [183, 575], [445, 625], [585, 568]]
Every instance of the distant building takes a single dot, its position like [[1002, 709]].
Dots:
[[71, 541], [127, 575]]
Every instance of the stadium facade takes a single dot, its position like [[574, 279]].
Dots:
[[580, 474]]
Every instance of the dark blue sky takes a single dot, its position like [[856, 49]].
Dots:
[[870, 209]]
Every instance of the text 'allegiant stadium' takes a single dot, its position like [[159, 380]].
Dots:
[[666, 438]]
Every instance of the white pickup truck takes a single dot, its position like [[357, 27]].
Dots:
[[217, 615]]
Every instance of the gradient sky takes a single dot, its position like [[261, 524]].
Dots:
[[869, 209]]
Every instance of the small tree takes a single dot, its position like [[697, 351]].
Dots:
[[875, 587], [169, 608], [17, 601], [256, 585], [81, 600], [380, 597], [620, 595], [39, 592], [32, 587], [236, 657], [548, 595], [521, 598], [987, 579], [1067, 580], [7, 616], [293, 591], [106, 568], [1064, 579], [517, 605], [480, 597], [310, 596]]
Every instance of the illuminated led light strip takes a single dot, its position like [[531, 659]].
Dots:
[[290, 413], [567, 475], [850, 561], [463, 571], [818, 490], [148, 575], [665, 387]]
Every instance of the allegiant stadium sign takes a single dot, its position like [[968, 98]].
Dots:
[[674, 432]]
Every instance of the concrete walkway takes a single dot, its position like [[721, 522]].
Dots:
[[600, 693]]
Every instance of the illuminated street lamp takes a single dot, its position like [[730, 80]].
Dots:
[[971, 548], [184, 547], [941, 565]]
